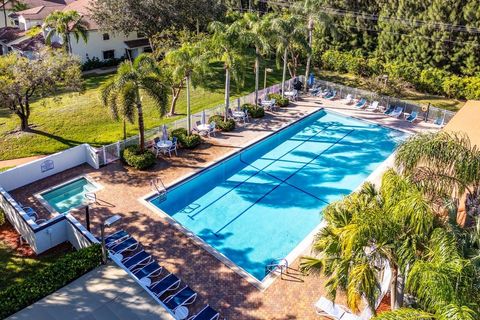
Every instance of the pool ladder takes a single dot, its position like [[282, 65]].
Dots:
[[89, 195], [277, 265], [159, 188]]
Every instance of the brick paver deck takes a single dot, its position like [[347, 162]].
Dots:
[[289, 298]]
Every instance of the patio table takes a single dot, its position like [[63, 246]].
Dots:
[[203, 127], [164, 144]]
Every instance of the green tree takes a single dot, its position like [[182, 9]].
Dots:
[[255, 32], [22, 80], [64, 24], [188, 63], [289, 35], [444, 164], [123, 93], [228, 48]]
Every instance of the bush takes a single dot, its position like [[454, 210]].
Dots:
[[186, 141], [472, 88], [335, 61], [48, 280], [225, 126], [2, 217], [95, 63], [431, 80], [454, 86], [281, 102], [134, 158], [253, 110], [405, 71]]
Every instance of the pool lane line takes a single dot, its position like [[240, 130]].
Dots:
[[241, 213], [253, 175]]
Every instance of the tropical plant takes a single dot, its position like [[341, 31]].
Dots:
[[230, 50], [123, 93], [22, 79], [289, 35], [186, 141], [64, 24], [134, 157], [255, 31], [444, 164], [188, 63]]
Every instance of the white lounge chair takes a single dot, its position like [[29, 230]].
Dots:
[[373, 107], [397, 112], [331, 310], [349, 99]]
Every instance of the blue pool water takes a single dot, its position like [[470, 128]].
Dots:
[[68, 196], [261, 203]]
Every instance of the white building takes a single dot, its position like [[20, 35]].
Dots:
[[100, 45]]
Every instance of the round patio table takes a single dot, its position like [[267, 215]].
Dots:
[[164, 144], [203, 127], [181, 313]]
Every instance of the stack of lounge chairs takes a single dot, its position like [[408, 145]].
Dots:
[[160, 283]]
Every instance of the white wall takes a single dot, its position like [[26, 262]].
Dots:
[[28, 24], [96, 45], [77, 234], [2, 19], [32, 171]]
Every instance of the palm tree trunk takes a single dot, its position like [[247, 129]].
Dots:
[[227, 91], [284, 75], [309, 57], [396, 289], [141, 124], [257, 73], [189, 120], [4, 13]]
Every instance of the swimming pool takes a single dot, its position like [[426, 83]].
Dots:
[[67, 196], [259, 204]]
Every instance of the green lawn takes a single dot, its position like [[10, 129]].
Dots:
[[408, 95], [14, 267], [70, 119]]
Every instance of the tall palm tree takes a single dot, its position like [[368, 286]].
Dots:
[[65, 23], [188, 62], [230, 49], [445, 165], [123, 93], [255, 31], [288, 32]]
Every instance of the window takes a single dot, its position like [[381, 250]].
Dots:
[[109, 54], [147, 49], [140, 35], [106, 36]]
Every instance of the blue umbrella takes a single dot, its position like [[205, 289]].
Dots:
[[204, 117], [164, 133]]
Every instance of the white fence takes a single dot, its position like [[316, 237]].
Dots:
[[50, 165], [111, 152], [427, 112]]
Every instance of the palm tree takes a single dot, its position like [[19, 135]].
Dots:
[[188, 62], [444, 164], [123, 93], [288, 32], [65, 23], [255, 31], [229, 48]]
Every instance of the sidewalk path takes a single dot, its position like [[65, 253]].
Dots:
[[17, 162]]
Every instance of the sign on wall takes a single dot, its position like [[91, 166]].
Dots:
[[47, 165]]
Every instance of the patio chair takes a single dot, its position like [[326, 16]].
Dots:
[[126, 245], [28, 210], [439, 121], [315, 92], [207, 313], [168, 283], [389, 110], [114, 238], [212, 129], [173, 147], [183, 297], [331, 310], [397, 112], [349, 99], [332, 95], [412, 117], [195, 126], [146, 273], [362, 103], [139, 259], [373, 107]]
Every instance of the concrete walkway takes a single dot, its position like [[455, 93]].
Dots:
[[17, 162], [106, 293]]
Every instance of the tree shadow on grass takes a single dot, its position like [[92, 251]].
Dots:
[[67, 142]]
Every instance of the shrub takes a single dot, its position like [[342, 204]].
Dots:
[[281, 102], [2, 217], [472, 88], [225, 126], [48, 280], [186, 141], [95, 63], [431, 80], [454, 86], [405, 71], [334, 60], [253, 110], [134, 158]]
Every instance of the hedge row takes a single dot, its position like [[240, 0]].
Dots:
[[427, 79], [48, 280]]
